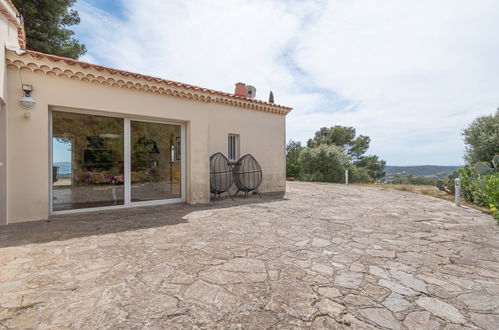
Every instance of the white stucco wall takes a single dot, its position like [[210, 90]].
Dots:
[[8, 38], [3, 172], [207, 126], [261, 134]]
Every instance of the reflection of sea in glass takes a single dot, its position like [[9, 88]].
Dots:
[[61, 169]]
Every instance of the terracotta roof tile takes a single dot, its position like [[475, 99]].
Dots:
[[85, 65]]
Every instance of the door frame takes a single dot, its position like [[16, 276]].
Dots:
[[127, 160]]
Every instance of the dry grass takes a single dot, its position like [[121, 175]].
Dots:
[[428, 191]]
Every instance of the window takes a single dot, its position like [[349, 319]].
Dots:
[[101, 161], [233, 147], [87, 161]]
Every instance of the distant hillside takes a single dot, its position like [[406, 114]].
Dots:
[[429, 171]]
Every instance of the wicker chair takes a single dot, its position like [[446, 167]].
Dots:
[[247, 175], [221, 177]]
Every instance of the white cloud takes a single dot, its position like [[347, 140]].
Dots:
[[410, 74]]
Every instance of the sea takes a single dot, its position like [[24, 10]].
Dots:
[[64, 167]]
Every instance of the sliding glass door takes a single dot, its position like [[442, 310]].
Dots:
[[100, 161], [155, 161], [87, 161]]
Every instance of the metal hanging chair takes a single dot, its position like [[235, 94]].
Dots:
[[221, 177], [247, 175]]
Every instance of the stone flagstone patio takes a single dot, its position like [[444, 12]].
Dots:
[[326, 256]]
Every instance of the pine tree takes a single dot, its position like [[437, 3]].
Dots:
[[46, 23]]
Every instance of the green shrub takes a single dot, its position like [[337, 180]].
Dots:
[[293, 150], [480, 185], [358, 174], [469, 182], [448, 184], [324, 163], [489, 192], [292, 170]]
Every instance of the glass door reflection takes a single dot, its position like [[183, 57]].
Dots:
[[155, 161], [87, 161]]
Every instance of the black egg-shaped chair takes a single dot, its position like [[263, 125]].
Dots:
[[247, 175], [221, 174]]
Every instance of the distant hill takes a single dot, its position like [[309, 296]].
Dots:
[[429, 171]]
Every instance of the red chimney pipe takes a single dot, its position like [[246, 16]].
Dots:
[[241, 90]]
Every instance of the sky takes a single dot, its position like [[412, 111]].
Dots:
[[61, 152], [409, 74]]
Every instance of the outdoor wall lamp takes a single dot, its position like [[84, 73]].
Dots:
[[27, 101]]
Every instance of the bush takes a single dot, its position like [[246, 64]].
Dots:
[[468, 177], [489, 193], [292, 170], [358, 174], [479, 185], [448, 185], [293, 150], [324, 163]]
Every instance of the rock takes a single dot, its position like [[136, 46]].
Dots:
[[329, 292], [356, 300], [320, 242], [321, 268], [441, 309], [328, 252], [330, 307], [409, 280], [354, 323], [223, 277], [205, 292], [238, 270], [356, 267], [302, 243], [381, 317], [486, 321], [349, 280], [480, 302], [342, 259], [427, 259], [240, 253], [381, 253], [339, 240], [420, 321], [376, 271], [292, 297], [197, 245], [396, 303], [245, 265], [273, 275], [398, 288], [440, 282], [325, 323], [374, 291]]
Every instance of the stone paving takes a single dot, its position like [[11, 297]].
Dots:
[[324, 257]]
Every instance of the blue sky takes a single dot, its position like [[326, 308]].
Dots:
[[409, 74], [61, 152]]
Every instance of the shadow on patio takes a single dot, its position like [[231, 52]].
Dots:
[[68, 226]]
